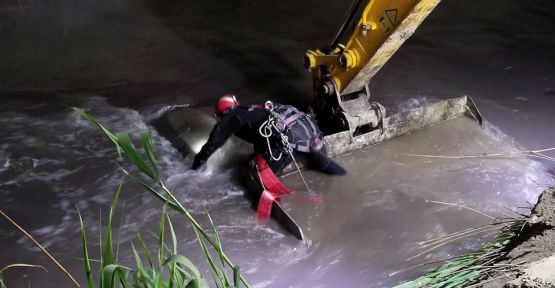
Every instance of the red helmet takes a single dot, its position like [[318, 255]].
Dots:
[[226, 103]]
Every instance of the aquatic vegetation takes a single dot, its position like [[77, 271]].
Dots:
[[36, 243], [181, 271], [467, 270], [2, 284], [166, 268]]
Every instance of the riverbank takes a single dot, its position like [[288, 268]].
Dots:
[[520, 255], [532, 252]]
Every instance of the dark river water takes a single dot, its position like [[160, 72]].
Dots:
[[126, 60]]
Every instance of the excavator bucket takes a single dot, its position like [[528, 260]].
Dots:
[[403, 123], [399, 124]]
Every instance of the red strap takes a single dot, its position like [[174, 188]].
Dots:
[[273, 188], [265, 203], [269, 179]]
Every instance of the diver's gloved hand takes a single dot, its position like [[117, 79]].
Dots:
[[197, 163]]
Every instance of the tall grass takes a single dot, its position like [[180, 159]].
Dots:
[[18, 265], [467, 270], [43, 250], [161, 269], [181, 272]]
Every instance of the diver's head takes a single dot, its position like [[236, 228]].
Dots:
[[225, 104]]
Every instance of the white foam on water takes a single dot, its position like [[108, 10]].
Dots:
[[415, 102], [158, 113], [4, 162]]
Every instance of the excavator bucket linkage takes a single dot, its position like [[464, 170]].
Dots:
[[403, 123], [341, 74]]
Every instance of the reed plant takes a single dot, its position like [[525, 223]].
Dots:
[[163, 268], [42, 249], [16, 265], [467, 270], [170, 269]]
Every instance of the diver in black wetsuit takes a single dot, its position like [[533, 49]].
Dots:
[[303, 135]]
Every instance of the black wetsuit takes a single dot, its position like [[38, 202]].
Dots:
[[245, 123]]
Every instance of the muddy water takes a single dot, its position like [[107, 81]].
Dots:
[[360, 228], [137, 57], [383, 204]]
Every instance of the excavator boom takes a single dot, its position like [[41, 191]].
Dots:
[[341, 74], [383, 27]]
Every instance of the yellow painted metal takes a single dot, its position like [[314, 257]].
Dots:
[[314, 59], [383, 27]]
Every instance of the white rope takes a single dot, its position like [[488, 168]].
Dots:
[[265, 131]]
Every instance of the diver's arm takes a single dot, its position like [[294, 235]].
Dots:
[[219, 135]]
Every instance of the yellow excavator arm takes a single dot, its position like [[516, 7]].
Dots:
[[373, 31], [382, 28], [342, 72]]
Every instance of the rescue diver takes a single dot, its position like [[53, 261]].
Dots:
[[254, 124]]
